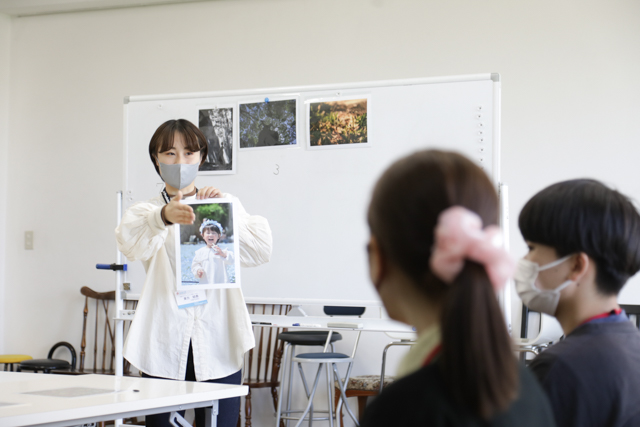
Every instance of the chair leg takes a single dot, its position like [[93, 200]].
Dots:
[[343, 390], [338, 407], [310, 395], [279, 421], [247, 409], [362, 403], [329, 383], [293, 352]]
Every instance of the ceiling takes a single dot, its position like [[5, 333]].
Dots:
[[46, 7]]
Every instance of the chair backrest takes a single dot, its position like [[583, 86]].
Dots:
[[336, 310], [550, 331], [633, 311], [103, 335], [262, 363]]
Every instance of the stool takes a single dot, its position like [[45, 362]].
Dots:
[[49, 364], [9, 359], [326, 359], [291, 340], [361, 387]]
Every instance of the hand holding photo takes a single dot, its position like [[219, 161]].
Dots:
[[207, 248]]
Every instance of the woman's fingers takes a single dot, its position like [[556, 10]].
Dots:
[[208, 193]]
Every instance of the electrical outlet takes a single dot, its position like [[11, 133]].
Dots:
[[28, 239]]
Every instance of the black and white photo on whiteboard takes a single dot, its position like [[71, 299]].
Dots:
[[208, 248], [268, 123], [216, 124], [338, 122]]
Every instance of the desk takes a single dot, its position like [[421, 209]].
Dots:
[[20, 406], [368, 324]]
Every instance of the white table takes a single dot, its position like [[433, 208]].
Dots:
[[117, 397], [368, 324]]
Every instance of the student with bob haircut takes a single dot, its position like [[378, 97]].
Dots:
[[169, 338], [584, 244], [436, 260]]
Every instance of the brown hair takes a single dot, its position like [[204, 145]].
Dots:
[[162, 139], [476, 360]]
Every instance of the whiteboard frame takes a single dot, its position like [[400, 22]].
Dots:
[[295, 92]]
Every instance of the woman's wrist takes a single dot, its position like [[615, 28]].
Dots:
[[164, 218]]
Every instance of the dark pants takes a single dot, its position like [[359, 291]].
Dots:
[[228, 409]]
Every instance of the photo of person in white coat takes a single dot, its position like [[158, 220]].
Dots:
[[166, 339], [209, 263]]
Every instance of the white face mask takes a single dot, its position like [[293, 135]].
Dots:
[[544, 301]]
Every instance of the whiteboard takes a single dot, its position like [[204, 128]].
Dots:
[[316, 199]]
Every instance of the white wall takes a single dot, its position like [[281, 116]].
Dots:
[[570, 109], [5, 37]]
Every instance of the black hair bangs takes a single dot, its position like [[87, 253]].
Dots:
[[192, 141]]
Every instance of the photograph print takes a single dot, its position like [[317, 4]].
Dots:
[[208, 248], [335, 123], [217, 126], [268, 124]]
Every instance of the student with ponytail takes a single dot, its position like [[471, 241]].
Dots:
[[436, 260]]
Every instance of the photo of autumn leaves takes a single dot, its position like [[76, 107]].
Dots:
[[334, 123]]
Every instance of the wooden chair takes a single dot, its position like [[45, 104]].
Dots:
[[102, 335], [262, 363]]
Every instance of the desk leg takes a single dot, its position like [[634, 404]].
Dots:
[[211, 415], [178, 420]]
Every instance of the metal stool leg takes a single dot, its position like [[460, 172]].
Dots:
[[329, 399], [293, 352], [282, 377], [343, 397], [311, 395]]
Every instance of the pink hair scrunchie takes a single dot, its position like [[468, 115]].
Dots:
[[459, 236]]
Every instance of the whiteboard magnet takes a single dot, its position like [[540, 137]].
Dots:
[[266, 100]]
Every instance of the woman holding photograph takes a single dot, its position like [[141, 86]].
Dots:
[[166, 339], [436, 260]]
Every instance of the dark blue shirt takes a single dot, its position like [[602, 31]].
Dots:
[[592, 377]]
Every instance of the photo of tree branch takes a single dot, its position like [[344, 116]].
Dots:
[[265, 124], [217, 126], [338, 122]]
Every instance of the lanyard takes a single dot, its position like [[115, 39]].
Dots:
[[432, 355], [615, 312]]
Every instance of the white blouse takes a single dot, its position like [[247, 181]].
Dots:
[[220, 330]]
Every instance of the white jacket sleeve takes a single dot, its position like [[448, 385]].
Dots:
[[141, 232], [255, 236]]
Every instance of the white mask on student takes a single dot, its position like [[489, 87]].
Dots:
[[542, 300]]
